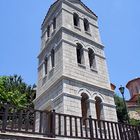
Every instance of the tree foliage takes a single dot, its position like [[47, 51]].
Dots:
[[135, 122], [16, 92], [121, 111]]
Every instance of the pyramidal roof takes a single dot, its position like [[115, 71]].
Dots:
[[88, 9]]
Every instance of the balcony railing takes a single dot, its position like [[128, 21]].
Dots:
[[52, 124]]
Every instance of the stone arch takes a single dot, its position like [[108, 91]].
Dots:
[[97, 94], [99, 109], [84, 90], [85, 105], [91, 47], [79, 42]]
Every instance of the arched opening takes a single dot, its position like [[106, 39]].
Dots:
[[46, 65], [52, 58], [80, 54], [54, 23], [84, 106], [91, 56], [48, 31], [76, 19], [86, 25], [99, 108]]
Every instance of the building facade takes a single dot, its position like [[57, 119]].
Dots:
[[133, 104], [72, 72]]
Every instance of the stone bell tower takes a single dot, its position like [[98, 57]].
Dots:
[[72, 71]]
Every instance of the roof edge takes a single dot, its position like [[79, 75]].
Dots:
[[127, 85], [61, 0]]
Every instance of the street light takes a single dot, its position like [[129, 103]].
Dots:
[[121, 89]]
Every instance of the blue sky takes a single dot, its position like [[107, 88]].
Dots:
[[119, 24]]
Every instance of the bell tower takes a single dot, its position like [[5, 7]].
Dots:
[[72, 71]]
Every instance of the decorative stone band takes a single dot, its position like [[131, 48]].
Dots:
[[109, 105], [79, 98], [67, 30], [65, 77], [67, 95]]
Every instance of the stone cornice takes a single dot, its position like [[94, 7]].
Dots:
[[50, 86], [109, 91], [63, 77], [73, 44], [109, 105], [69, 31], [66, 95], [85, 38], [48, 42]]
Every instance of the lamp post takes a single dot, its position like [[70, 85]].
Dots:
[[121, 89]]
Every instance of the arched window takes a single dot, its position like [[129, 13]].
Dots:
[[86, 25], [46, 65], [54, 23], [52, 58], [76, 19], [99, 108], [48, 31], [91, 56], [84, 106], [80, 54]]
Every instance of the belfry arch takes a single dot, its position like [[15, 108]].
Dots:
[[99, 108], [84, 106]]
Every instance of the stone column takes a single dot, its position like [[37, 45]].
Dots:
[[43, 68], [86, 58]]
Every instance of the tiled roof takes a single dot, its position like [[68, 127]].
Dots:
[[127, 85], [57, 2]]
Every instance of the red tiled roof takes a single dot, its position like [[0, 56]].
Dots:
[[134, 98], [131, 81]]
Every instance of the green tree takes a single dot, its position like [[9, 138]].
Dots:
[[135, 122], [16, 92], [121, 111]]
